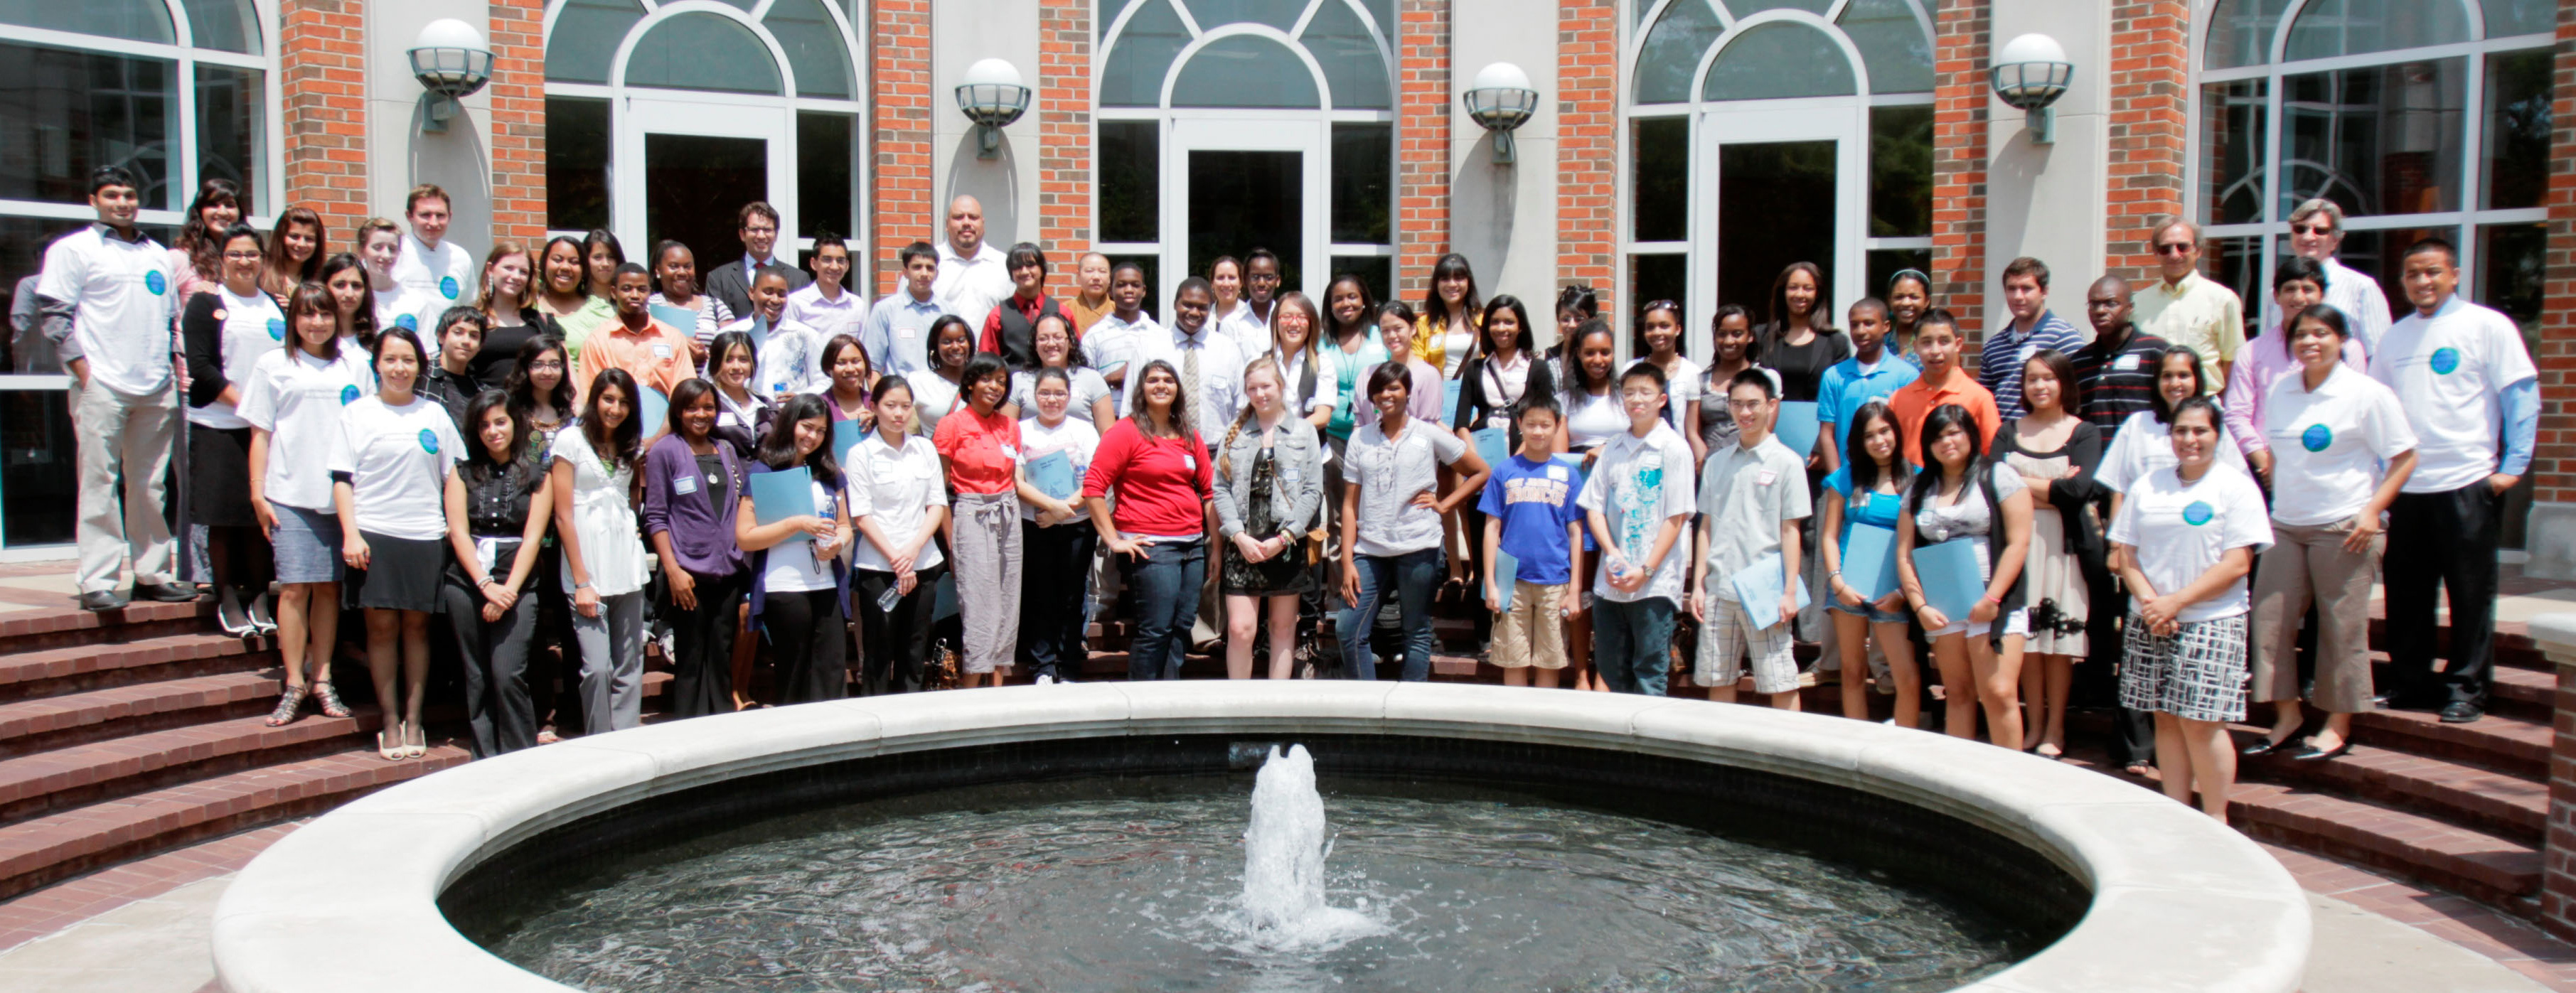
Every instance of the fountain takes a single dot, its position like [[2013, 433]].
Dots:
[[1096, 837]]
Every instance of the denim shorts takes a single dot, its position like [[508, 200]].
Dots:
[[1867, 610]]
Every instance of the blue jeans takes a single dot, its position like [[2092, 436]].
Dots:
[[1632, 643], [1164, 585], [1415, 576]]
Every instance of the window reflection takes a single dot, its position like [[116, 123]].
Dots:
[[68, 112], [2376, 140], [38, 477], [2517, 128], [1660, 152], [1900, 171], [2231, 150]]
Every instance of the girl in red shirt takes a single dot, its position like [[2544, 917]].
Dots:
[[981, 446], [1158, 468]]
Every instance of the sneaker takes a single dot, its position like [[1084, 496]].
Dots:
[[1043, 680]]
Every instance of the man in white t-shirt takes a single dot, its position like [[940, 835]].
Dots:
[[430, 266], [973, 278], [104, 300], [825, 304], [2466, 381], [2316, 231], [1637, 502]]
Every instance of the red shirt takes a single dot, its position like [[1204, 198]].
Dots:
[[983, 452], [1915, 401], [1162, 484]]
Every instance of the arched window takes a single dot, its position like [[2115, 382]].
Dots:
[[664, 117], [1226, 125], [1765, 132], [2417, 117]]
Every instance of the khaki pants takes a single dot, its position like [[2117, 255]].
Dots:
[[128, 436], [2308, 562]]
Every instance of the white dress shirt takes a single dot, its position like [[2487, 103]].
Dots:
[[971, 287], [1220, 394]]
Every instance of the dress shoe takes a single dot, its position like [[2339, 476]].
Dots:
[[2314, 754], [2267, 746], [102, 600], [2462, 712], [166, 592]]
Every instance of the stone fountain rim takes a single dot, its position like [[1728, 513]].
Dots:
[[349, 901]]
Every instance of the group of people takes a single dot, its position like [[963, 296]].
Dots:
[[750, 466]]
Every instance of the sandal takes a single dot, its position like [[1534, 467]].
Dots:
[[415, 741], [389, 742], [289, 704], [328, 699]]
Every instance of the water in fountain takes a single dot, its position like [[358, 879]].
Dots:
[[1283, 862]]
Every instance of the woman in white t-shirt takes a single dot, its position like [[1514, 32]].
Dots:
[[225, 332], [1086, 393], [292, 401], [799, 581], [934, 390], [2329, 429], [2184, 540], [1659, 341], [1592, 412], [389, 482], [1962, 496], [594, 466], [1391, 514], [1056, 541], [2145, 441]]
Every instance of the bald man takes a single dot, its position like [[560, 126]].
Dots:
[[972, 276]]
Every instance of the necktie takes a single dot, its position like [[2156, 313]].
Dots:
[[1190, 377]]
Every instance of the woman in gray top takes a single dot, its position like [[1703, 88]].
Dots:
[[1270, 482]]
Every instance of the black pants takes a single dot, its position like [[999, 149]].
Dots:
[[2097, 681], [1054, 566], [806, 631], [494, 657], [702, 661], [897, 640], [2443, 543]]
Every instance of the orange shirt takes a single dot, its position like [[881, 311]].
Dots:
[[983, 453], [1084, 317], [1916, 400], [658, 358]]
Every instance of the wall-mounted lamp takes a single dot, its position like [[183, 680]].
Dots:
[[1501, 100], [2031, 72], [452, 62], [992, 97]]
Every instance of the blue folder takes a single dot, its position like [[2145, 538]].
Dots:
[[846, 435], [1869, 560], [1797, 427], [1449, 401], [1506, 570], [681, 319], [1052, 474], [655, 413], [1758, 588], [1493, 445], [1952, 574], [779, 495]]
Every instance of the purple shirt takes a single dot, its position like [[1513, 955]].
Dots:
[[2262, 362], [675, 500]]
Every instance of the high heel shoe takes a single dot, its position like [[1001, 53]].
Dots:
[[289, 704], [415, 741], [389, 742], [328, 699], [2313, 754]]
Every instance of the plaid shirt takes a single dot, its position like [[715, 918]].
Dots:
[[2115, 387]]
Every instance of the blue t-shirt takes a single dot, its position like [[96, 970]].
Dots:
[[1844, 388], [1876, 509], [1535, 502]]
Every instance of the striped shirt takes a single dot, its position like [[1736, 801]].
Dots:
[[2117, 381], [2007, 350]]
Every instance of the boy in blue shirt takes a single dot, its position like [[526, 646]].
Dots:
[[1530, 514]]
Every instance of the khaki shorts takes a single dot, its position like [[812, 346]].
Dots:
[[1529, 632]]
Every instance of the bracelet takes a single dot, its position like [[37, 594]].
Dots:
[[1990, 599], [487, 581], [580, 586]]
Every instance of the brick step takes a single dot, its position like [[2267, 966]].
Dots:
[[60, 845], [67, 778], [31, 726], [2499, 743], [2456, 793], [2496, 870], [2513, 648], [68, 626], [65, 670]]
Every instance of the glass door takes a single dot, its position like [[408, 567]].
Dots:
[[1777, 186], [1245, 184], [701, 161]]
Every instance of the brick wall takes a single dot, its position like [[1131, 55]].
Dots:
[[2554, 466], [899, 144], [1959, 95], [2150, 92], [322, 55], [1421, 142], [518, 94], [1064, 137], [1587, 136], [2558, 856]]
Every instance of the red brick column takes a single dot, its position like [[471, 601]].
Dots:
[[899, 143], [1587, 141], [2554, 462], [322, 55], [1064, 137], [518, 94], [1421, 142], [2150, 96], [1959, 95]]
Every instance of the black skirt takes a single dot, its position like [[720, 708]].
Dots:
[[219, 477], [401, 574]]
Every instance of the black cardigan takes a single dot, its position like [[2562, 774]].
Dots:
[[2073, 494], [1474, 406]]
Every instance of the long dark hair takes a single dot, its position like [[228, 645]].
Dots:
[[2199, 375], [778, 448], [311, 270], [1864, 469], [1778, 323], [203, 244], [940, 327], [616, 251], [1524, 341], [311, 297], [523, 391], [1681, 336], [2070, 394], [688, 392], [1935, 424], [581, 261], [1752, 346], [1368, 304], [1137, 411], [1579, 383], [1452, 264], [625, 442], [362, 323], [483, 403], [722, 345]]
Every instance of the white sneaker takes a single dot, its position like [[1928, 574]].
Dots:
[[1044, 680]]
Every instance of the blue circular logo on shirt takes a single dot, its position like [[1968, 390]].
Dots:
[[429, 441], [447, 285], [408, 323], [2198, 513], [348, 395], [2316, 437], [276, 329], [156, 282], [2445, 360]]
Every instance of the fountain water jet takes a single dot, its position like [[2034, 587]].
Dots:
[[1283, 862]]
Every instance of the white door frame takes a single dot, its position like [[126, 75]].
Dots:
[[1842, 120], [1301, 131], [632, 117]]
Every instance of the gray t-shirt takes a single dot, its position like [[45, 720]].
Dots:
[[1389, 473], [1746, 496], [1088, 388], [1968, 517]]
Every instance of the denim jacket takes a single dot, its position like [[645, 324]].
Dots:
[[1301, 477]]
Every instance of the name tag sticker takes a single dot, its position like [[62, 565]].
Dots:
[[684, 485], [1292, 474], [1765, 478], [1190, 462], [1010, 452], [909, 332], [2125, 363], [1557, 472], [662, 352]]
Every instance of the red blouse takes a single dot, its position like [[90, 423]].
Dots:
[[983, 452]]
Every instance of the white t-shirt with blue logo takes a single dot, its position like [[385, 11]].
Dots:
[[124, 298], [2450, 371], [398, 459], [2328, 444], [297, 398], [253, 327], [444, 274], [406, 308], [2182, 529]]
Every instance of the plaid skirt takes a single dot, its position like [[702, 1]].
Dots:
[[2198, 673]]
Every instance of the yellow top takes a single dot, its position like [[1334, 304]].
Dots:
[[1430, 344], [2198, 312]]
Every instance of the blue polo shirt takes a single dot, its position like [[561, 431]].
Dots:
[[1535, 502], [1845, 387]]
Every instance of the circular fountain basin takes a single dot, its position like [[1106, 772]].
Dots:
[[2154, 896]]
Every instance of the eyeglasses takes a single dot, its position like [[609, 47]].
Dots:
[[546, 364], [243, 256], [2176, 248], [2296, 228]]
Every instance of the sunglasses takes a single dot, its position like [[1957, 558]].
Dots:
[[2311, 229], [2176, 248]]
